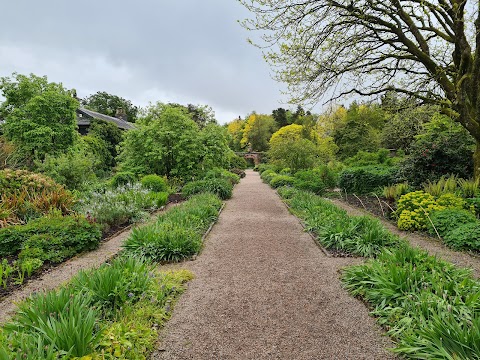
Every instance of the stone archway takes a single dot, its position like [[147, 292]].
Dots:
[[255, 156]]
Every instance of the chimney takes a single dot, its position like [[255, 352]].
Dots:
[[121, 114]]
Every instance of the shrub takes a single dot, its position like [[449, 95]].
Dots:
[[365, 179], [158, 199], [220, 187], [314, 180], [154, 183], [448, 219], [25, 195], [365, 158], [474, 205], [413, 209], [123, 178], [451, 201], [237, 162], [286, 171], [281, 180], [56, 238], [218, 173], [238, 172], [268, 175]]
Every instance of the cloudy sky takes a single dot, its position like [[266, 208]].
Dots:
[[186, 51]]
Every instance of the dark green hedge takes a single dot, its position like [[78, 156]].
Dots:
[[365, 179]]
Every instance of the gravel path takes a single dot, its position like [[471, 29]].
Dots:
[[65, 271], [432, 245], [264, 290]]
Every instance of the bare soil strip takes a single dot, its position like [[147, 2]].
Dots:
[[65, 271], [432, 245], [264, 290]]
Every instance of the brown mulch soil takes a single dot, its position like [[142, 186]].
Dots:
[[264, 290], [433, 245]]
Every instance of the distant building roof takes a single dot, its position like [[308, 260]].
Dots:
[[84, 116]]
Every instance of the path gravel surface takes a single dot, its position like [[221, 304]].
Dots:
[[432, 245], [264, 290]]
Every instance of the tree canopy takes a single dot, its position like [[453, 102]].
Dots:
[[109, 104], [425, 49], [39, 116]]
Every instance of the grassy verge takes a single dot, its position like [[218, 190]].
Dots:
[[113, 312]]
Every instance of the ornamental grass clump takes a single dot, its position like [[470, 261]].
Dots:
[[177, 234], [427, 305]]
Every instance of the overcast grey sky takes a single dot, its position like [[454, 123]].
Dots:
[[186, 51]]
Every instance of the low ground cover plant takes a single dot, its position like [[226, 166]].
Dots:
[[217, 173], [221, 187], [111, 312], [427, 305], [177, 234]]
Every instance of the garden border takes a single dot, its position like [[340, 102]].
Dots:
[[312, 235]]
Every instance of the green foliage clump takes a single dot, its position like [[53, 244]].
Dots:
[[428, 305], [62, 321], [122, 205], [55, 238], [444, 147], [220, 187], [123, 178], [444, 221], [236, 162], [394, 192], [360, 236], [239, 172], [413, 209], [268, 175], [365, 158], [441, 186], [176, 234], [111, 312], [465, 236], [217, 173], [282, 180], [315, 180], [154, 183], [366, 179]]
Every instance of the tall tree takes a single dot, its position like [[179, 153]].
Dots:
[[39, 116], [258, 130], [109, 104], [426, 49]]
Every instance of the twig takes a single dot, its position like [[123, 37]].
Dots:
[[388, 205], [361, 202], [380, 203]]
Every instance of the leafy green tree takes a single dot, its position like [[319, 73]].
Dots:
[[296, 154], [257, 132], [360, 131], [111, 135], [428, 50], [201, 114], [165, 142], [282, 117], [40, 117], [235, 131], [444, 147], [109, 104], [402, 127], [215, 150]]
